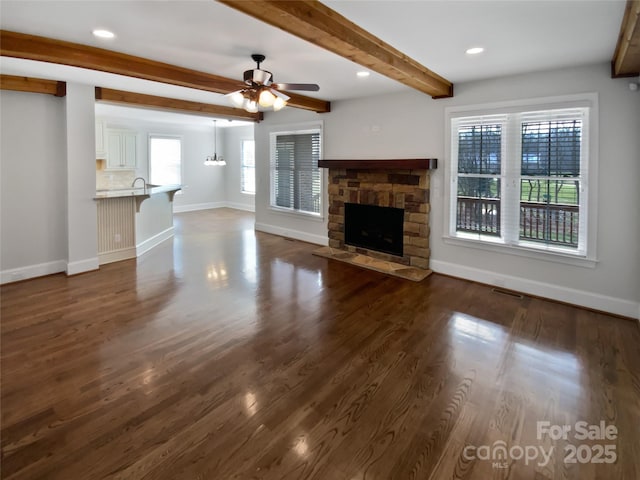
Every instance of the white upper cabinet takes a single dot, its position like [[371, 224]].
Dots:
[[121, 149]]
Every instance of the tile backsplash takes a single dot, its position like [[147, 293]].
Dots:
[[112, 179]]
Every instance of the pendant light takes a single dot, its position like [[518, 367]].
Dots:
[[215, 160]]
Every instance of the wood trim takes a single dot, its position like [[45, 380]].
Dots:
[[31, 47], [626, 58], [322, 26], [33, 85], [308, 103], [400, 164], [108, 95]]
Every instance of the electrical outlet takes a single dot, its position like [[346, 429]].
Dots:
[[117, 238]]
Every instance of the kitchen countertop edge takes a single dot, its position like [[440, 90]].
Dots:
[[136, 192]]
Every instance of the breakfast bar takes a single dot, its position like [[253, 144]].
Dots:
[[134, 220]]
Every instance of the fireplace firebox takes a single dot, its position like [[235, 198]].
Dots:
[[374, 228]]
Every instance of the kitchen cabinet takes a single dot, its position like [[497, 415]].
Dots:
[[121, 149], [101, 151]]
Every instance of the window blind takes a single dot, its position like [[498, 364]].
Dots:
[[551, 180], [295, 174], [478, 155]]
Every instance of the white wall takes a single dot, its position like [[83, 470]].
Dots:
[[233, 137], [33, 185], [81, 212], [411, 124], [204, 185]]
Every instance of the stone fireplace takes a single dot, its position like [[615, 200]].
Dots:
[[399, 184]]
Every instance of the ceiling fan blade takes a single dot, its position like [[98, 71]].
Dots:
[[309, 87], [279, 94]]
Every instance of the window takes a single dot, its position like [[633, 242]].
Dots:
[[479, 178], [248, 167], [165, 160], [520, 179], [295, 177]]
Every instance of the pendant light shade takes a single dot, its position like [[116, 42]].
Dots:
[[251, 106], [215, 160], [266, 98], [237, 99]]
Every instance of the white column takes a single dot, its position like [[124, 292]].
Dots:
[[82, 229]]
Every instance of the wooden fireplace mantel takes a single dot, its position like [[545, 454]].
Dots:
[[401, 164]]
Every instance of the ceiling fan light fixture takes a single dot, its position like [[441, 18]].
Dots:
[[251, 106], [237, 99], [260, 91], [266, 98], [279, 104], [257, 76]]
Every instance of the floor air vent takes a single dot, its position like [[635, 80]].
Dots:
[[507, 292]]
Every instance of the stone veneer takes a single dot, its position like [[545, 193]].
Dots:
[[407, 189]]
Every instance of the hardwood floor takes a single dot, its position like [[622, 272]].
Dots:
[[225, 354]]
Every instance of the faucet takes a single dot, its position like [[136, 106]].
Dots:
[[144, 183]]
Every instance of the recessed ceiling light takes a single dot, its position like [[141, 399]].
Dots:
[[103, 33], [363, 74], [474, 50]]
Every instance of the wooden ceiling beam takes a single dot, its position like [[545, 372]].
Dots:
[[626, 58], [120, 97], [320, 25], [31, 47], [33, 85]]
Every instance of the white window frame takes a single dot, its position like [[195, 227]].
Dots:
[[242, 166], [171, 137], [585, 255], [293, 130]]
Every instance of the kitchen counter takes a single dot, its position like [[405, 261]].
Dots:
[[131, 221], [136, 192]]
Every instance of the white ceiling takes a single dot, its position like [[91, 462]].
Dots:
[[519, 36]]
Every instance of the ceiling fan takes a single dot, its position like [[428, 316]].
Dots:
[[260, 91]]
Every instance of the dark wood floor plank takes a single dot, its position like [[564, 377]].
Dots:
[[230, 354]]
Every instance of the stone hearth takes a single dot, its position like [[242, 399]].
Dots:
[[384, 185]]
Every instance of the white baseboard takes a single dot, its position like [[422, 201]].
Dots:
[[592, 300], [290, 233], [157, 239], [32, 271], [197, 206], [241, 206], [207, 206], [117, 255], [81, 266]]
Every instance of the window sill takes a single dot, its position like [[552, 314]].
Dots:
[[253, 194], [548, 256], [297, 213]]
